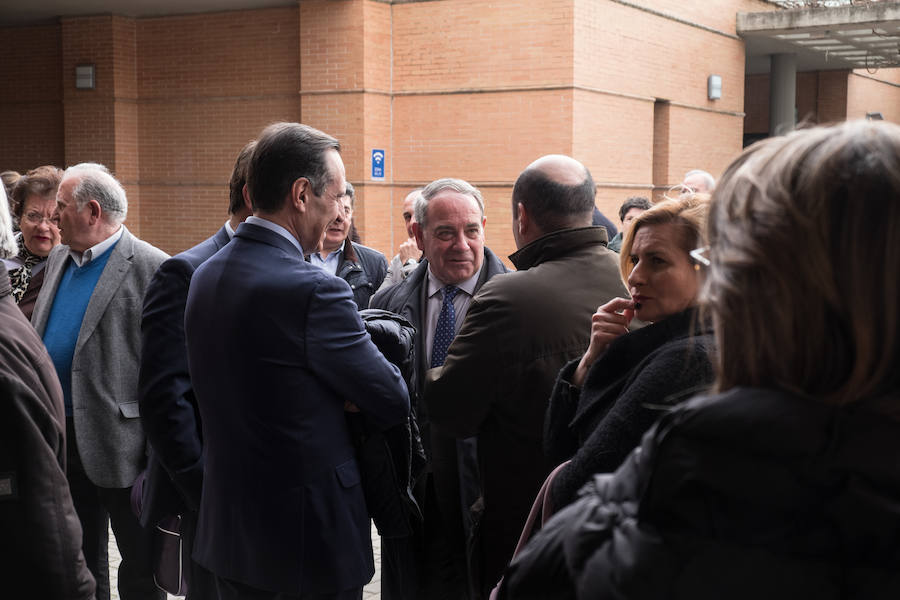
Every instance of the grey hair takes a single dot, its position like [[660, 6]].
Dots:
[[8, 246], [439, 185], [351, 192], [709, 179], [97, 183]]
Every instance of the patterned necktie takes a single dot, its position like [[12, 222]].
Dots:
[[443, 333]]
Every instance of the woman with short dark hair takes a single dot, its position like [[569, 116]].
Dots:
[[784, 483], [34, 205]]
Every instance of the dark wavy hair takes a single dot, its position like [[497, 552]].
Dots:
[[40, 181]]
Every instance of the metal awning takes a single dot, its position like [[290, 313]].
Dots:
[[845, 37]]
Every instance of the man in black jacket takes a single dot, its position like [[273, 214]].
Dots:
[[40, 556], [169, 411], [362, 267], [450, 229]]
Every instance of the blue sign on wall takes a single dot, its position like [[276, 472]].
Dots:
[[377, 164]]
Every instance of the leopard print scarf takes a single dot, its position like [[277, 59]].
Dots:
[[20, 276]]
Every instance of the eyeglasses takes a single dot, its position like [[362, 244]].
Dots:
[[37, 218], [698, 255], [678, 190]]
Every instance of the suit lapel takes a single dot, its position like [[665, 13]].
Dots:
[[416, 303], [482, 277], [113, 273], [56, 266]]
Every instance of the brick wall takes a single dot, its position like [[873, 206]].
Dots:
[[875, 92], [641, 68], [31, 112], [458, 88], [207, 84], [455, 45]]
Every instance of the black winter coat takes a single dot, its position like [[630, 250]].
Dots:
[[642, 374], [40, 534], [364, 269], [750, 494], [389, 460]]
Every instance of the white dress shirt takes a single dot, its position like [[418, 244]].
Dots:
[[83, 258], [329, 263], [461, 303], [254, 220]]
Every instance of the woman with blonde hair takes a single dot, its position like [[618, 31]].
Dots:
[[603, 403], [785, 482]]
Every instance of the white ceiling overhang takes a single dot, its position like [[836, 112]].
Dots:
[[846, 37]]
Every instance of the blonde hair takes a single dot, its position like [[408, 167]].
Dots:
[[805, 250], [688, 213]]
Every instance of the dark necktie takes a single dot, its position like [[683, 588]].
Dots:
[[444, 332]]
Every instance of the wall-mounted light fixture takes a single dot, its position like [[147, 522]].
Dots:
[[714, 87], [874, 116], [84, 77]]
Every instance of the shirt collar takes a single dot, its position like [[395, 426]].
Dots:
[[330, 254], [228, 229], [468, 286], [275, 227], [83, 258]]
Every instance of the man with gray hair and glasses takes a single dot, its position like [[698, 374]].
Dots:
[[89, 316]]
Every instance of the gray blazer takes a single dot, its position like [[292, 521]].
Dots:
[[110, 440]]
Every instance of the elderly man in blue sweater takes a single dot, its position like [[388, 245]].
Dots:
[[88, 314]]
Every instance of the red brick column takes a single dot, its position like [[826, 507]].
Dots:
[[101, 125], [345, 89]]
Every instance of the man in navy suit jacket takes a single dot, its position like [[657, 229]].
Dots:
[[277, 352], [169, 412]]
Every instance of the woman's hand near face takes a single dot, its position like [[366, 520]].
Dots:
[[609, 322]]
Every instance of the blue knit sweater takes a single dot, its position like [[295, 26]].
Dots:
[[64, 323]]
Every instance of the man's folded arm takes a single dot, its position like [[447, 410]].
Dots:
[[344, 355]]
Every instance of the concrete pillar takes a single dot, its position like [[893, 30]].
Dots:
[[782, 93]]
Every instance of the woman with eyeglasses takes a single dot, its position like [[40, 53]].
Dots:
[[34, 204], [603, 403], [785, 482]]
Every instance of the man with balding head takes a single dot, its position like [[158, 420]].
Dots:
[[408, 255], [519, 331]]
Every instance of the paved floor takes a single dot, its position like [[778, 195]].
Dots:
[[371, 591]]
